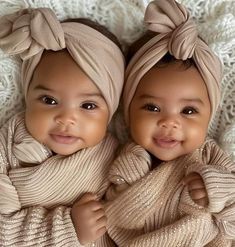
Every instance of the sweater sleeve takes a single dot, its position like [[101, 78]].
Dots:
[[133, 192], [131, 165], [218, 174], [190, 231], [9, 200], [38, 226], [133, 204], [33, 226]]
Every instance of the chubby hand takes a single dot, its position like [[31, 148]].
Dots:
[[196, 188], [88, 218]]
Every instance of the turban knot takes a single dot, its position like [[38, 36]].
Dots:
[[183, 41], [25, 32], [173, 19]]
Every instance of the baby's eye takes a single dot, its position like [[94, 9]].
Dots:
[[189, 110], [89, 106], [48, 100], [151, 107]]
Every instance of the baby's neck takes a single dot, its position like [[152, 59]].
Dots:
[[155, 162]]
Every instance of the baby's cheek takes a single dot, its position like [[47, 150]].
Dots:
[[141, 133], [38, 127], [197, 136]]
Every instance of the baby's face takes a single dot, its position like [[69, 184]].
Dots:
[[64, 109], [170, 111]]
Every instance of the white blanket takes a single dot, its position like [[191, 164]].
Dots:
[[216, 21]]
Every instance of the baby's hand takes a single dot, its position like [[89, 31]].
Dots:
[[196, 188], [88, 218]]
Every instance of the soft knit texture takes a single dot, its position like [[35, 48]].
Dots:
[[216, 24], [153, 208], [36, 199]]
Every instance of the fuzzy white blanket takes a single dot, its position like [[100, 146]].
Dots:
[[216, 21]]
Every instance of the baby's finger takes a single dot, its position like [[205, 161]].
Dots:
[[87, 197], [94, 206], [196, 184], [198, 194], [99, 214], [101, 222], [202, 202], [190, 177], [101, 231]]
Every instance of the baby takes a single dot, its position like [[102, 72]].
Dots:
[[54, 157], [171, 186]]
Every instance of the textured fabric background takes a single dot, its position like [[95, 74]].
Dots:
[[216, 21]]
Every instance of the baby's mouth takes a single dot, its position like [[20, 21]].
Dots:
[[166, 142], [63, 138]]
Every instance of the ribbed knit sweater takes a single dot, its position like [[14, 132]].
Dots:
[[151, 207], [37, 189]]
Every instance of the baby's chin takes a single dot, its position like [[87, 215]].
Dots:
[[166, 155], [64, 151]]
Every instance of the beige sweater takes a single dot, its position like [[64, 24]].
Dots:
[[152, 207], [37, 189]]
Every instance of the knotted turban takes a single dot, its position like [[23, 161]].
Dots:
[[176, 33], [31, 31]]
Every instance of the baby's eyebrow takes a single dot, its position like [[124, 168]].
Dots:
[[90, 94], [41, 87], [147, 96], [187, 100], [194, 100], [93, 95]]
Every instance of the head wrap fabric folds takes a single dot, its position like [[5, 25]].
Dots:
[[177, 34], [31, 31]]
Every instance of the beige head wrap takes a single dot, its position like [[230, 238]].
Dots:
[[31, 31], [177, 34]]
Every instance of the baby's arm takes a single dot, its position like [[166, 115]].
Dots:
[[127, 196], [9, 201], [134, 194], [187, 231], [39, 227], [131, 165], [121, 208], [34, 226], [218, 175]]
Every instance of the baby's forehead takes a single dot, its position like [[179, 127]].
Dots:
[[172, 68], [172, 78], [53, 56], [52, 63]]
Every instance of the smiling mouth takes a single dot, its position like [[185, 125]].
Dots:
[[64, 139], [166, 142]]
